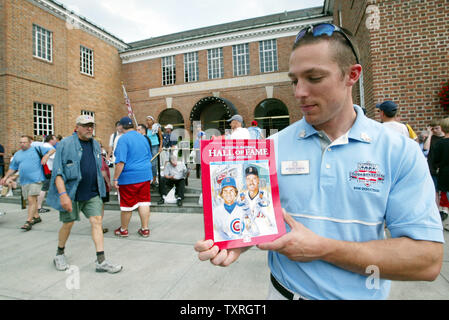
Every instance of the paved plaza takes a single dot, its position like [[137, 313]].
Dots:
[[162, 267]]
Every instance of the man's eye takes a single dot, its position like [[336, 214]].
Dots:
[[294, 82], [315, 79]]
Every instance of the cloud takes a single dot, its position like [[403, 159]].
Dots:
[[134, 20]]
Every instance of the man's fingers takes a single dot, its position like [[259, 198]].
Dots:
[[275, 245]]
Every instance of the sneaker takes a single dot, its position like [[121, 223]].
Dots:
[[120, 233], [443, 215], [179, 202], [9, 194], [2, 213], [43, 210], [107, 267], [144, 232], [162, 201], [60, 262]]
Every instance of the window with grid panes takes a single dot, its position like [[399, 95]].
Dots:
[[215, 69], [86, 61], [240, 59], [43, 119], [42, 43], [191, 66], [168, 70], [268, 56]]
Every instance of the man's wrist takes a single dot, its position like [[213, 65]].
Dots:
[[62, 193]]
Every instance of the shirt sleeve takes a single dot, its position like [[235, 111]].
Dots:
[[411, 209], [121, 151]]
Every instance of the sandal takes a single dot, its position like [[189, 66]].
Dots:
[[27, 226], [36, 220]]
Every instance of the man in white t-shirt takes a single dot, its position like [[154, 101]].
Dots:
[[387, 111], [237, 129]]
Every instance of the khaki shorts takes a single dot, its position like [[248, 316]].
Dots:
[[32, 189], [90, 208]]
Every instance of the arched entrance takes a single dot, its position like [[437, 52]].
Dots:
[[213, 113], [272, 114], [173, 117]]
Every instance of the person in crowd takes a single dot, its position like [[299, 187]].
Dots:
[[175, 175], [238, 131], [132, 177], [154, 132], [28, 163], [77, 185]]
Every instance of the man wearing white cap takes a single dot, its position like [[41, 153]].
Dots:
[[77, 185], [238, 131]]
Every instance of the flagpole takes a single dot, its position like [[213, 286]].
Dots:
[[128, 104]]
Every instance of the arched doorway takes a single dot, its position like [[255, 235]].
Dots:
[[272, 114], [173, 117], [213, 113]]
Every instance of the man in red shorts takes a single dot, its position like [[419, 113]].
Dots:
[[132, 177]]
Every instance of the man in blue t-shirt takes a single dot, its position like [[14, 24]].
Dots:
[[29, 164], [132, 177]]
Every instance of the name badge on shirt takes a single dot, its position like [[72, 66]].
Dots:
[[295, 167]]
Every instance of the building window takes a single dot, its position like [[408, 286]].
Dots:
[[240, 59], [168, 70], [191, 67], [86, 61], [215, 68], [268, 56], [42, 43], [43, 119]]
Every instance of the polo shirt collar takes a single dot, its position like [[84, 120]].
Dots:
[[357, 132]]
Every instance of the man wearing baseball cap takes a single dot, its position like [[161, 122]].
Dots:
[[77, 185], [132, 177], [237, 129], [387, 111]]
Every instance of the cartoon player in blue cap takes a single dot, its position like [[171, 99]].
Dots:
[[228, 217]]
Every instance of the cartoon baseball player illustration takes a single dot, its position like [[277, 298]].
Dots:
[[228, 217], [251, 228], [258, 202]]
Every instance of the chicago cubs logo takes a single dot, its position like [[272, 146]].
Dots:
[[367, 173], [237, 226]]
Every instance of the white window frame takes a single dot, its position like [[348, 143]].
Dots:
[[86, 61], [168, 70], [240, 59], [268, 56], [191, 70], [42, 43], [215, 67], [43, 119]]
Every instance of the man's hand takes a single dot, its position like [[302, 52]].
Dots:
[[207, 251], [300, 244], [66, 202]]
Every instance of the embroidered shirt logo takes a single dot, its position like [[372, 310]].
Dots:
[[367, 173]]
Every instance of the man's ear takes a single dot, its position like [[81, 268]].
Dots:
[[354, 73]]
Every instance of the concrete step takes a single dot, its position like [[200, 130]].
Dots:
[[190, 202]]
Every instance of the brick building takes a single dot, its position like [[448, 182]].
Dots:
[[55, 65], [404, 52]]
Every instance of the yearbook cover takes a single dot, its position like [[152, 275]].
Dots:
[[240, 192]]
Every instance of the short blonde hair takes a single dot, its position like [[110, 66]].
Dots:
[[445, 125]]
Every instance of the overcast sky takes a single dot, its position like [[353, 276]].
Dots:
[[132, 20]]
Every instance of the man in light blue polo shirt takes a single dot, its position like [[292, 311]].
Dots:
[[342, 178]]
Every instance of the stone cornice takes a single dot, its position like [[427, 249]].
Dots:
[[74, 21], [219, 40]]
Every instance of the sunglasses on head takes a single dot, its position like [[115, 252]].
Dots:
[[328, 29]]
